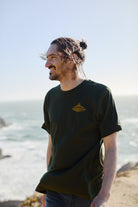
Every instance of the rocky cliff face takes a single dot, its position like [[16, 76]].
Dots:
[[3, 156], [3, 123]]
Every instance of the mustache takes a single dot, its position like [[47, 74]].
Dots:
[[52, 66]]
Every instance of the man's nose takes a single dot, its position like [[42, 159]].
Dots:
[[47, 64]]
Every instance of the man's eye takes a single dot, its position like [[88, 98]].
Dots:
[[53, 57]]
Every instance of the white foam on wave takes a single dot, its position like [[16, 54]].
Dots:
[[13, 132], [23, 167], [134, 144], [14, 126], [29, 145], [131, 120], [3, 138]]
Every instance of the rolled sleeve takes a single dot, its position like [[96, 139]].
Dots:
[[46, 124], [107, 115]]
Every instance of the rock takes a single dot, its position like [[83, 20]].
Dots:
[[33, 201], [0, 151], [10, 203], [128, 166], [3, 123], [3, 156]]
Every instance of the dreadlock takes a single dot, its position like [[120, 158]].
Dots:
[[69, 46]]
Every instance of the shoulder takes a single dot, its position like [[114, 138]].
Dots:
[[98, 89], [52, 92]]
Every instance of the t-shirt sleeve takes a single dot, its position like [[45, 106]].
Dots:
[[107, 115], [46, 124]]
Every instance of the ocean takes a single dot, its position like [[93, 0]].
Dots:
[[26, 142]]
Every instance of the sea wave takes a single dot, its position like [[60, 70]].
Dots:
[[130, 120], [14, 126], [133, 143], [3, 138]]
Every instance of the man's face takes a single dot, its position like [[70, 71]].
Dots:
[[56, 64]]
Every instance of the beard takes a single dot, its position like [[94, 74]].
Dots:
[[58, 76], [54, 77]]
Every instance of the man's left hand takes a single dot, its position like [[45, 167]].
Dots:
[[99, 201]]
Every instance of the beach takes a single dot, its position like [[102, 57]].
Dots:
[[125, 190]]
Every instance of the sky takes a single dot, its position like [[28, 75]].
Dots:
[[27, 27]]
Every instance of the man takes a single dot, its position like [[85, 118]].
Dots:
[[79, 116]]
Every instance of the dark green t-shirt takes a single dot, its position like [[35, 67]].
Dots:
[[77, 120]]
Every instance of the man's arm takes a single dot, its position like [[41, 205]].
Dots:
[[49, 150], [47, 163], [110, 163]]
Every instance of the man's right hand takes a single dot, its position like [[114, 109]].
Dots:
[[44, 200]]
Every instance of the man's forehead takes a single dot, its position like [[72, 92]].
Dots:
[[52, 50]]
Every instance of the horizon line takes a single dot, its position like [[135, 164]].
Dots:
[[41, 99]]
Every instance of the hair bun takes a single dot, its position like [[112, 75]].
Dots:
[[83, 45]]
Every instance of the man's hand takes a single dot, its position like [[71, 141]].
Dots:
[[110, 161], [100, 201], [44, 200]]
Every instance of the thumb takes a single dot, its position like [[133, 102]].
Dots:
[[92, 205]]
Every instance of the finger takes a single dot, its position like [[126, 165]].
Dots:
[[44, 201]]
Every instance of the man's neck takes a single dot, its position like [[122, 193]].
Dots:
[[69, 84]]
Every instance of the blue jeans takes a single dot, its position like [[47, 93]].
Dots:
[[54, 199]]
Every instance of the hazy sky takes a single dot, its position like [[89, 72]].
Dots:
[[28, 26]]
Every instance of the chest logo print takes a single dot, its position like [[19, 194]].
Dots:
[[78, 108]]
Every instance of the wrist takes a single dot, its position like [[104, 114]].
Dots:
[[104, 195]]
